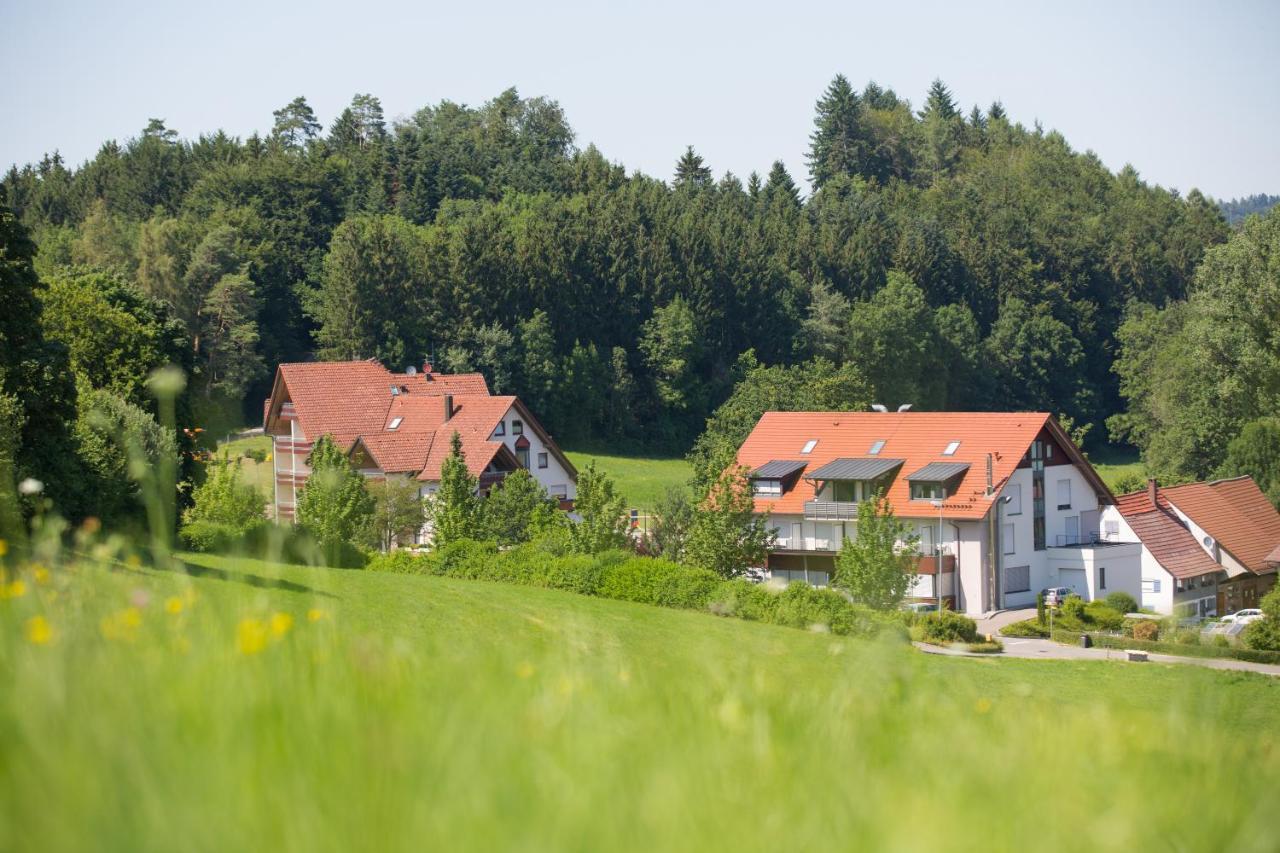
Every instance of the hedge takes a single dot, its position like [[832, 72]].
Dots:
[[645, 580], [266, 540], [1183, 650]]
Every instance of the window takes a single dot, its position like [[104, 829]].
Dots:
[[1206, 580], [1014, 492], [558, 491], [1102, 577], [501, 428], [951, 449], [922, 491], [876, 448], [1111, 529], [1010, 543], [523, 455], [927, 532], [1017, 579], [1073, 530], [395, 423], [809, 446], [542, 460], [1064, 494], [766, 488], [517, 427]]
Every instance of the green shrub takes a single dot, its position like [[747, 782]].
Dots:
[[1147, 630], [948, 627], [1197, 651], [1263, 635], [399, 561], [743, 599], [1073, 610], [210, 537], [1041, 612], [1027, 628], [1103, 616], [650, 580], [985, 647], [1187, 637], [1221, 642], [256, 454], [1122, 603]]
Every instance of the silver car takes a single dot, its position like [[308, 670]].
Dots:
[[1055, 595], [1244, 617]]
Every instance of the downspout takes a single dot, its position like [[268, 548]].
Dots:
[[993, 533]]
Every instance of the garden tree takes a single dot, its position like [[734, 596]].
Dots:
[[1256, 452], [334, 506], [296, 124], [225, 498], [604, 523], [118, 444], [367, 301], [1196, 372], [35, 377], [670, 522], [691, 172], [812, 386], [837, 142], [877, 567], [398, 512], [727, 536], [1265, 633], [455, 511], [114, 335], [892, 337], [518, 509]]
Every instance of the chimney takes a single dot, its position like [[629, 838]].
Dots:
[[1152, 492], [991, 485], [448, 407]]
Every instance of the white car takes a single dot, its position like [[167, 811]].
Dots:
[[1244, 617]]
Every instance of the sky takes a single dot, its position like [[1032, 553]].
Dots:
[[1189, 93]]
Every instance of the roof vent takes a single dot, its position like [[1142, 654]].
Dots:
[[448, 406], [905, 407], [410, 370], [879, 407], [395, 390]]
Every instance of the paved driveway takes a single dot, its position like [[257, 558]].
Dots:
[[1048, 650], [993, 624]]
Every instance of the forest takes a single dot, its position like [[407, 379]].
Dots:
[[946, 258]]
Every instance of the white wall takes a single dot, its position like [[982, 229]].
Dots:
[[1155, 585], [554, 478]]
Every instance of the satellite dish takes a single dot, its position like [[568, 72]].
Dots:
[[410, 370]]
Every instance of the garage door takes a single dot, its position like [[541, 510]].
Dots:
[[1074, 579]]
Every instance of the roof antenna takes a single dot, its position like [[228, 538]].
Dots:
[[878, 407], [905, 407]]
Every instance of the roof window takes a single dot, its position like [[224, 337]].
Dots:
[[951, 449], [876, 447], [395, 423], [809, 445]]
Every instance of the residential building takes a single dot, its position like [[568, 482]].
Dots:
[[1004, 504], [1208, 548], [402, 424]]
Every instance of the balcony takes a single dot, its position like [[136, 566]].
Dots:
[[804, 543], [831, 510], [1086, 540], [929, 565]]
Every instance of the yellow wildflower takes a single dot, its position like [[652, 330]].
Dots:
[[41, 574], [39, 631], [281, 623], [173, 605], [122, 625], [251, 636], [17, 589], [315, 614], [268, 459]]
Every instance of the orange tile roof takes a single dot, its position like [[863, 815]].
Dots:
[[916, 437], [1163, 534], [1237, 514], [422, 440]]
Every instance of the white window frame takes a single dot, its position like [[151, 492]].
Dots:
[[543, 461], [501, 428], [395, 423], [809, 446], [1014, 491], [1009, 535], [1064, 484], [950, 449], [876, 447], [766, 488], [517, 427]]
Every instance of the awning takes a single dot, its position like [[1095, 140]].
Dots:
[[777, 469], [870, 468], [939, 472]]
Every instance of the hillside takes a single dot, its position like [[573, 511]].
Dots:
[[264, 706]]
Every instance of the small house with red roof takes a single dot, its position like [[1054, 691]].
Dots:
[[402, 424], [1209, 549], [1003, 503]]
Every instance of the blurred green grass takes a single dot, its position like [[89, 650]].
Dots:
[[419, 712]]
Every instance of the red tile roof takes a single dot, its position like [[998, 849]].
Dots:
[[1237, 514], [918, 438], [1164, 535]]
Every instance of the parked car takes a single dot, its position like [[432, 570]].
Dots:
[[920, 606], [1244, 617], [1055, 595]]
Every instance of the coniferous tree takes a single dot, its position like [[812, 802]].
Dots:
[[454, 511], [295, 124], [836, 146], [691, 172], [604, 524]]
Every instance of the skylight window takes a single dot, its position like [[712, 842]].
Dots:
[[809, 445], [951, 449], [876, 448], [395, 423]]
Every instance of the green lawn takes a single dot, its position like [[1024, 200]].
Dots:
[[257, 706], [256, 473], [641, 479], [1114, 465]]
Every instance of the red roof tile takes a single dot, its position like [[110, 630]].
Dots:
[[918, 438], [1234, 512], [1163, 534]]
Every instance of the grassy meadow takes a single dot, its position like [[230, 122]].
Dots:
[[249, 705], [643, 480]]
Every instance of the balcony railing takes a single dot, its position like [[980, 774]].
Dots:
[[929, 565], [1072, 540], [803, 543], [831, 510]]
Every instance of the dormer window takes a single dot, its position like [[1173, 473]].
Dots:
[[766, 488], [926, 491], [395, 423], [951, 449], [517, 428], [809, 446], [876, 448], [501, 428]]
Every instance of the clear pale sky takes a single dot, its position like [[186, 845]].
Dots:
[[1187, 92]]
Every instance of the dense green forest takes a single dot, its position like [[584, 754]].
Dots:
[[1239, 209], [945, 258]]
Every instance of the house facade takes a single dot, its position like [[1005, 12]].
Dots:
[[402, 425], [1209, 549], [1003, 504]]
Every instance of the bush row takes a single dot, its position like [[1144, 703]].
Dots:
[[1186, 650], [646, 580], [267, 541]]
